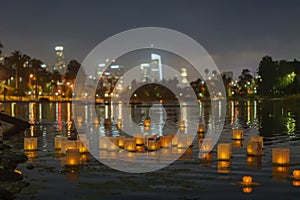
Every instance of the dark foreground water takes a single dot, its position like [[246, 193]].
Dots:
[[187, 178]]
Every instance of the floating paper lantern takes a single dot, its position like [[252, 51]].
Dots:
[[72, 157], [147, 122], [254, 149], [182, 141], [296, 174], [121, 141], [224, 167], [237, 134], [258, 139], [201, 128], [30, 144], [103, 142], [247, 180], [153, 145], [68, 144], [166, 140], [113, 145], [281, 156], [130, 144], [224, 151], [205, 145], [140, 139], [58, 140]]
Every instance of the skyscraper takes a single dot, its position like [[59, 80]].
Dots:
[[60, 64], [156, 67]]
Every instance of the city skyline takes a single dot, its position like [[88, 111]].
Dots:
[[236, 36]]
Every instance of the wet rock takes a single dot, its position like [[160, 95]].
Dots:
[[30, 167], [4, 147], [6, 195], [17, 187], [11, 160], [9, 176]]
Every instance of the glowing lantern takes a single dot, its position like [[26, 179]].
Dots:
[[58, 140], [205, 145], [79, 119], [237, 134], [224, 151], [166, 140], [121, 141], [296, 174], [130, 144], [113, 144], [31, 155], [30, 144], [224, 167], [182, 141], [139, 138], [68, 144], [258, 139], [72, 157], [152, 145], [281, 156], [201, 128], [181, 124], [247, 180], [103, 142], [84, 157], [147, 122], [247, 189], [254, 149], [83, 146]]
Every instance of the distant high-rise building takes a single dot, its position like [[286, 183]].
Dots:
[[184, 75], [156, 67], [60, 64], [145, 71]]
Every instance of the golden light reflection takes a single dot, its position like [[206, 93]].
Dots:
[[247, 189], [224, 167]]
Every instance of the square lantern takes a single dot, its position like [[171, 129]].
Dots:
[[68, 144], [113, 144], [205, 145], [72, 157], [30, 144], [224, 151], [147, 122], [130, 144], [103, 142], [201, 128], [254, 149], [140, 139], [58, 140], [237, 134], [258, 139], [182, 141], [166, 140], [152, 145], [121, 141], [281, 156]]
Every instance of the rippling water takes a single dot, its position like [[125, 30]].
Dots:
[[189, 177]]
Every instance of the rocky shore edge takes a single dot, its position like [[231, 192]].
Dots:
[[11, 179]]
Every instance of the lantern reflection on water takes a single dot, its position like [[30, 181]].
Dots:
[[224, 166], [205, 145], [224, 151], [31, 155], [254, 162], [280, 173], [296, 183], [247, 189], [281, 156], [237, 144], [30, 144], [72, 157]]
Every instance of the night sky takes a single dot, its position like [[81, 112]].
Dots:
[[237, 34]]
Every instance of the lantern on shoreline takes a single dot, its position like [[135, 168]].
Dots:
[[201, 128], [68, 144], [30, 144], [58, 140], [130, 144], [237, 134], [72, 157], [254, 149], [224, 151], [258, 139], [281, 156]]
